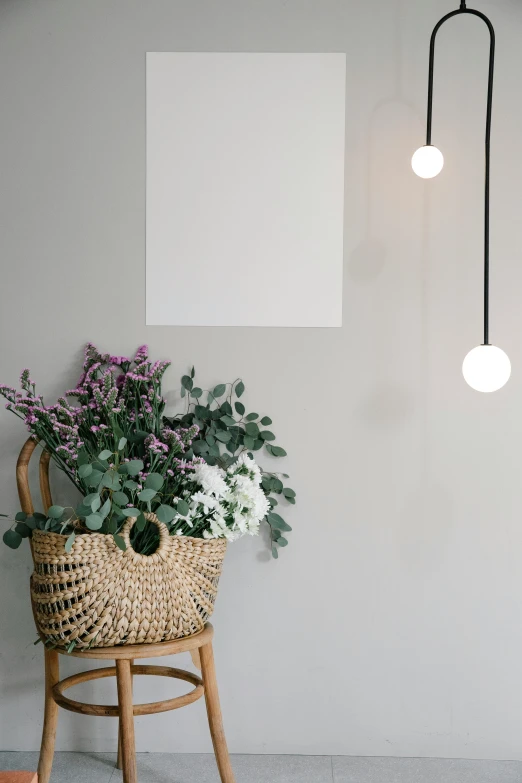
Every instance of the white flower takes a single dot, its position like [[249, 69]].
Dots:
[[230, 503], [218, 526], [211, 479], [206, 501], [260, 504], [251, 465], [241, 484], [240, 521], [187, 518]]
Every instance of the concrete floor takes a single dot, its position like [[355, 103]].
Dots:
[[201, 768]]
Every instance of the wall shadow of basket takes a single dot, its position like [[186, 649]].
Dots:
[[97, 595]]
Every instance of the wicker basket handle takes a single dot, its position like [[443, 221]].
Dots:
[[163, 534], [22, 477]]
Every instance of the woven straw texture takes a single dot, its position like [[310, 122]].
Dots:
[[98, 596]]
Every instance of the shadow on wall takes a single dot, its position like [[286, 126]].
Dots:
[[368, 258], [377, 264], [386, 163]]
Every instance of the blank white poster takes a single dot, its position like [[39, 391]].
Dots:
[[245, 189]]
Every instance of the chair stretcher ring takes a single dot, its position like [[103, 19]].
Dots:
[[112, 711]]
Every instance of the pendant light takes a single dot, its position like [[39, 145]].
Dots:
[[486, 368]]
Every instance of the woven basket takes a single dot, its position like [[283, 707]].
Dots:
[[98, 596]]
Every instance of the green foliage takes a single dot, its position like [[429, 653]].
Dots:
[[182, 508], [120, 542], [94, 521], [133, 467], [225, 431], [70, 541], [154, 481], [120, 477], [277, 522], [55, 521], [12, 538], [165, 513], [84, 470], [146, 494], [105, 509], [112, 446]]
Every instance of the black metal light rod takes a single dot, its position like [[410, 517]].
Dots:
[[464, 10]]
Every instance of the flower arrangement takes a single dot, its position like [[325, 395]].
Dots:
[[224, 432], [195, 472], [229, 504]]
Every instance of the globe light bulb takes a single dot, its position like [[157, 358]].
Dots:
[[486, 368], [427, 161]]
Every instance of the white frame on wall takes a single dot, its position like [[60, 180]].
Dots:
[[245, 189]]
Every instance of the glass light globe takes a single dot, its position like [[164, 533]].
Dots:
[[427, 161], [486, 368]]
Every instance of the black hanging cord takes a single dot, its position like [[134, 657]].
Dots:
[[464, 10]]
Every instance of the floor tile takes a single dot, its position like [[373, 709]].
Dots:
[[83, 767], [350, 769], [174, 768], [67, 767], [201, 768], [18, 760], [283, 769]]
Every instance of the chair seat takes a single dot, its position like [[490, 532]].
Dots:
[[18, 777], [134, 651]]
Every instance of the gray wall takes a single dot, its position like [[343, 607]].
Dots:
[[392, 624]]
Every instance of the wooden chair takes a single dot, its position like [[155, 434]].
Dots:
[[124, 656]]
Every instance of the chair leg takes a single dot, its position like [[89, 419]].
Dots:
[[124, 681], [52, 676], [119, 761], [215, 720]]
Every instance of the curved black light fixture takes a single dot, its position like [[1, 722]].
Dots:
[[485, 368]]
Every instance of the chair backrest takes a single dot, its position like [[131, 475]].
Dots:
[[22, 481]]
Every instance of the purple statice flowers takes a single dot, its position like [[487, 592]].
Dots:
[[115, 397]]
